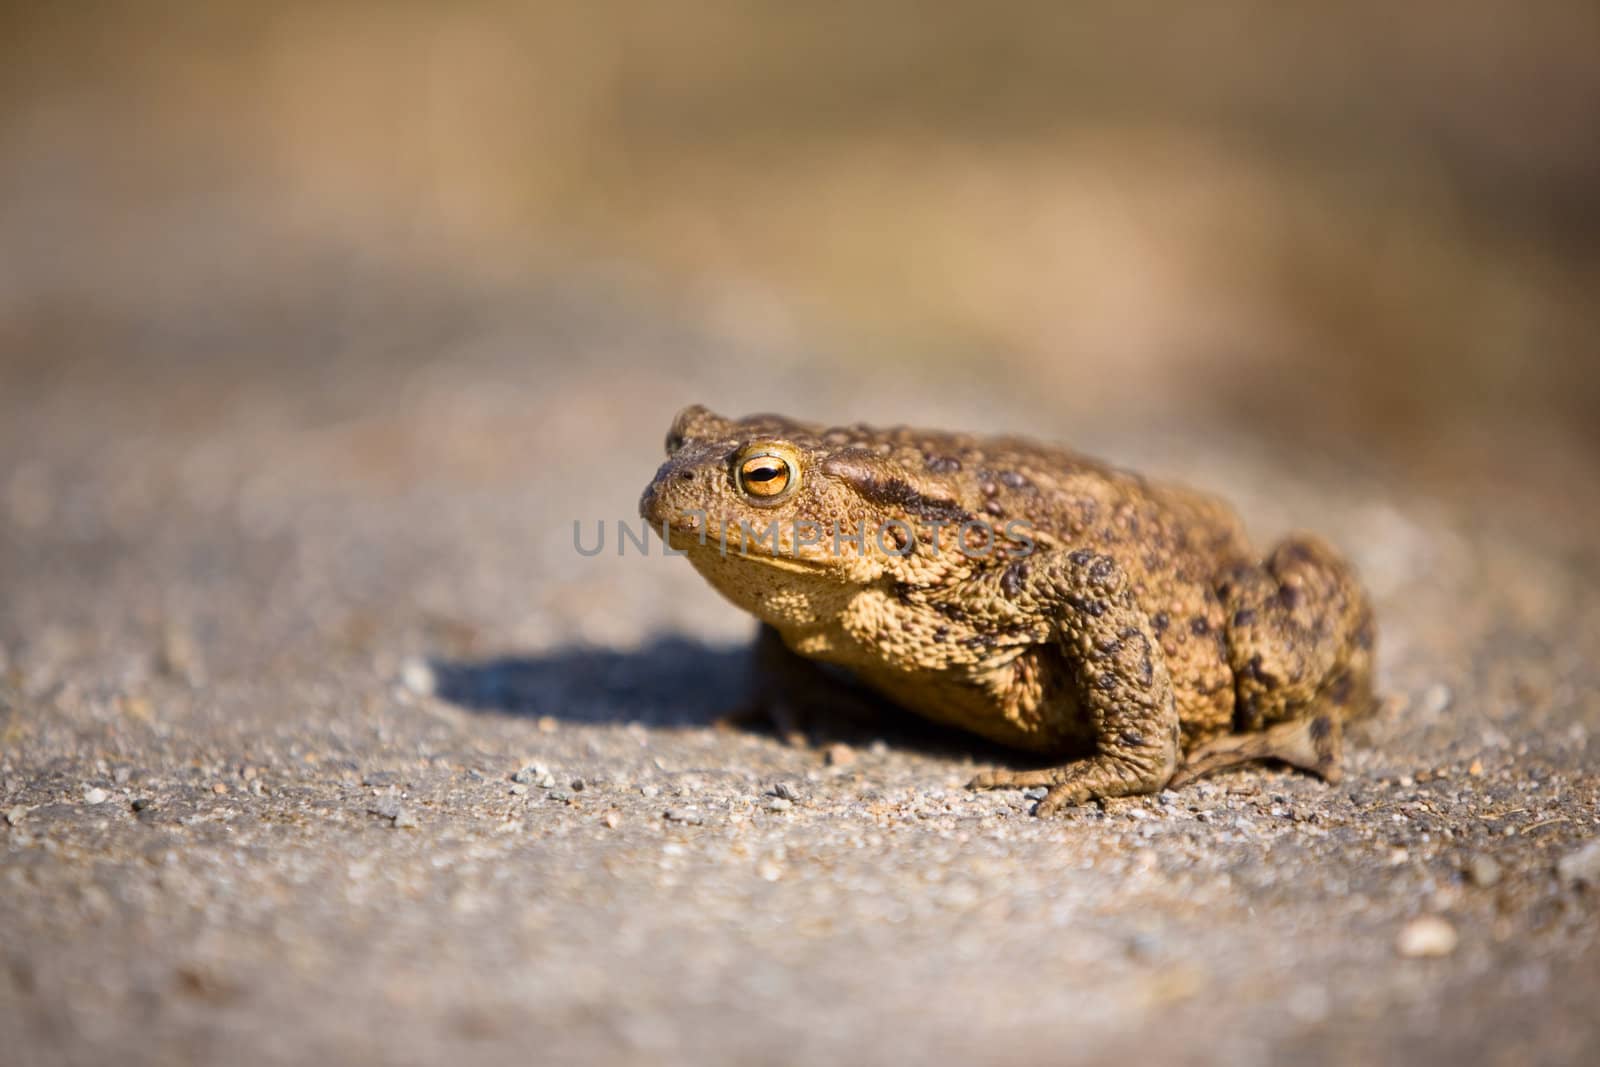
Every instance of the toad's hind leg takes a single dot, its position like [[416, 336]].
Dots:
[[1300, 641], [1300, 635]]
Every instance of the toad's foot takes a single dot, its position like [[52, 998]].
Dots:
[[1314, 744], [1079, 782]]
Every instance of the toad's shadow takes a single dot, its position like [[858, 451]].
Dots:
[[670, 683]]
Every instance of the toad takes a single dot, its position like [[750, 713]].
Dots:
[[1036, 597]]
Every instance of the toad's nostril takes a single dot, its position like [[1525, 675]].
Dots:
[[687, 476]]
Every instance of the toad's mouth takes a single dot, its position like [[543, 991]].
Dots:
[[698, 543]]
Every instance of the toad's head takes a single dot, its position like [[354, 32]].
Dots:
[[787, 518]]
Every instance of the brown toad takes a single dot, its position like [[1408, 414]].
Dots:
[[1039, 598]]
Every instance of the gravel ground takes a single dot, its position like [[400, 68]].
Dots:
[[320, 743]]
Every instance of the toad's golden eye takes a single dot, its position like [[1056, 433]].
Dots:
[[766, 477]]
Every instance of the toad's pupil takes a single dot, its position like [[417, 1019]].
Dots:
[[765, 476]]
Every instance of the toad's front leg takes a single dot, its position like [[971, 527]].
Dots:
[[795, 698], [1123, 685]]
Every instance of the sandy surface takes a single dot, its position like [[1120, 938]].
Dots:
[[319, 742]]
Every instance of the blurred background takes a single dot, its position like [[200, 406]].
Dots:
[[1359, 227], [449, 269]]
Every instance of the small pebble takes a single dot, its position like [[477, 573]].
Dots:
[[1435, 699], [839, 754], [95, 795], [1581, 866], [141, 803], [179, 656], [547, 781], [649, 791], [784, 791], [16, 814], [779, 804], [1427, 937], [519, 790], [418, 676], [1038, 792], [530, 774], [1482, 870], [612, 819], [578, 785], [404, 820], [683, 815], [385, 808], [1476, 769]]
